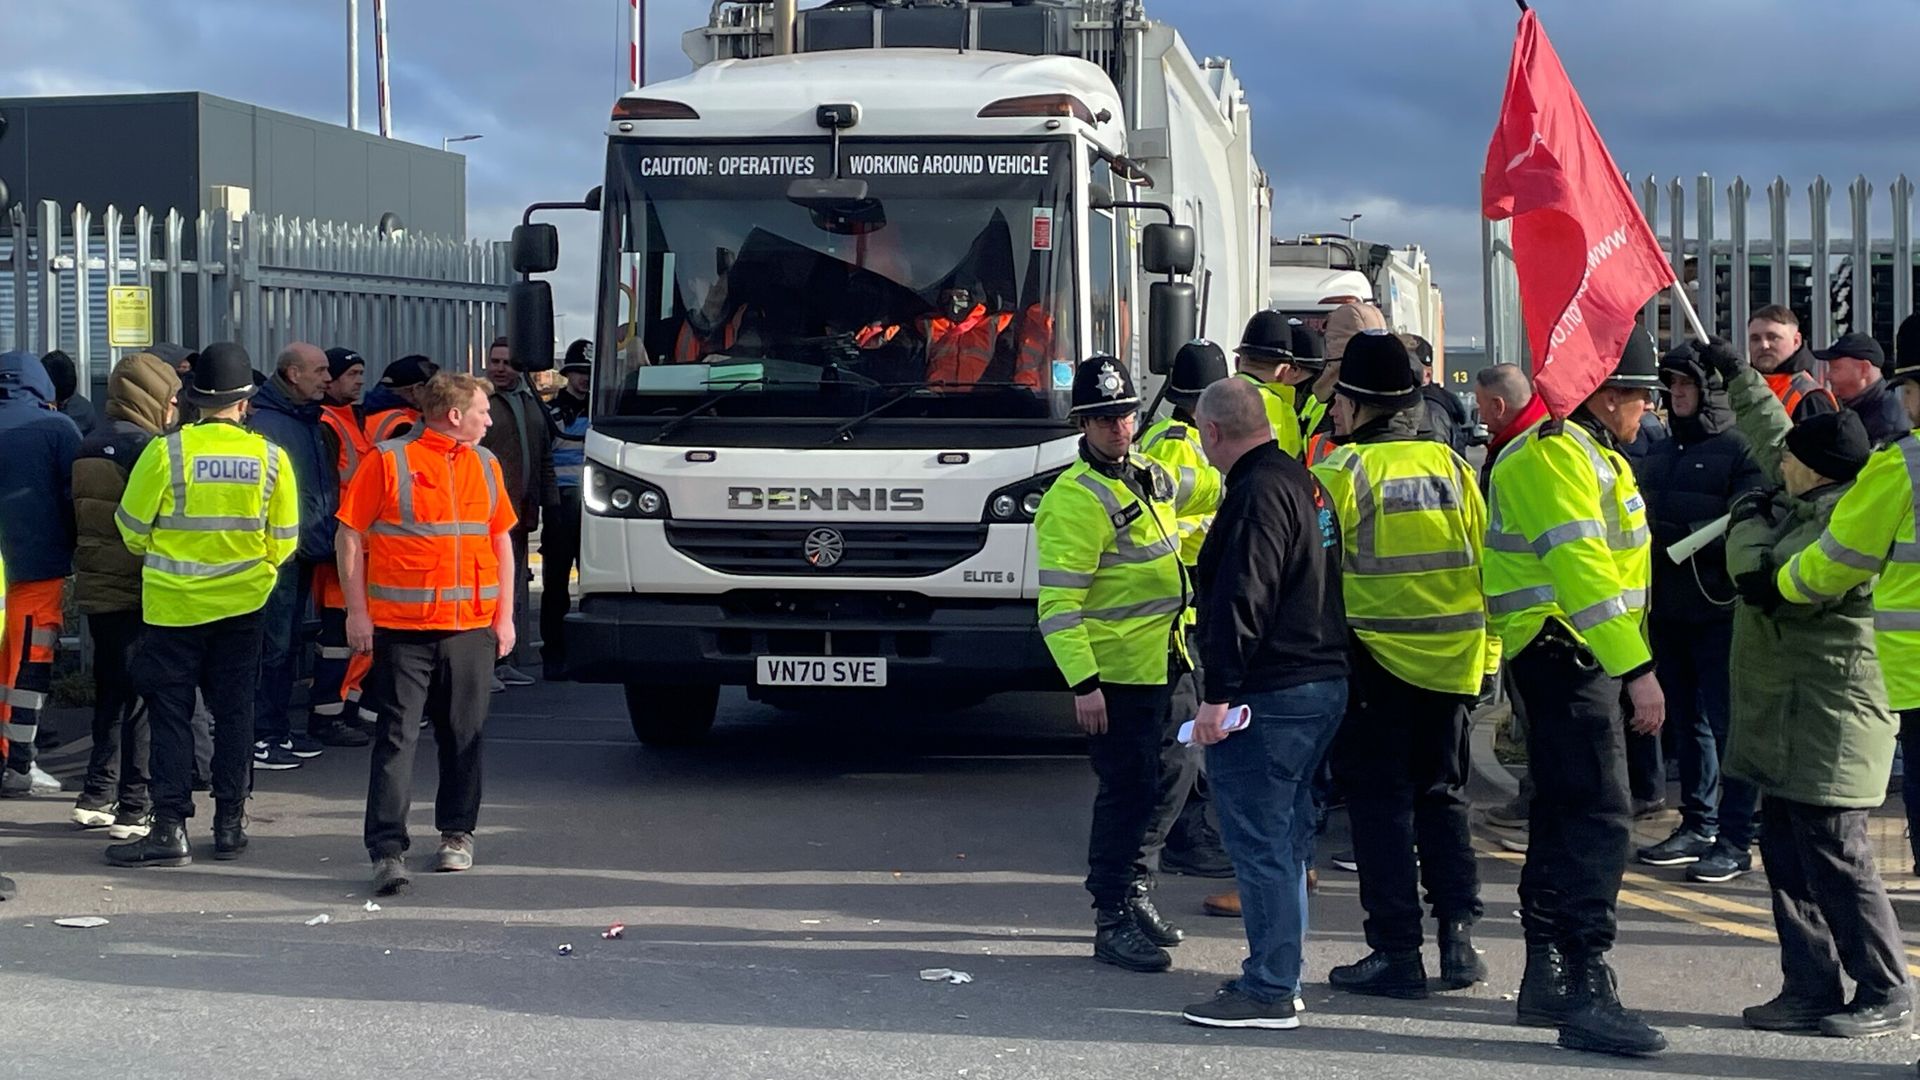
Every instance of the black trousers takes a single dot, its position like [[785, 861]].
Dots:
[[559, 551], [1401, 755], [1179, 770], [117, 769], [1829, 906], [1126, 760], [1580, 826], [447, 677], [221, 660]]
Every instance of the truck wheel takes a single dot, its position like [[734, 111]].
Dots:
[[671, 715]]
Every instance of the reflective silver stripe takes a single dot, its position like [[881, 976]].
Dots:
[[182, 523], [400, 596], [133, 525], [1158, 549], [285, 532], [1594, 614], [20, 732], [1171, 605], [1519, 599], [186, 568], [266, 490], [1184, 490], [1065, 579], [1512, 543], [454, 528], [1411, 493], [1365, 558], [335, 652], [369, 715], [1630, 539], [1055, 624], [330, 708], [45, 639], [1832, 548], [1422, 624], [1884, 621], [177, 469], [403, 485], [22, 698], [487, 462], [489, 592], [1904, 552], [1566, 534], [1793, 575]]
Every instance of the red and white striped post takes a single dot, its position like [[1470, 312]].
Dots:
[[637, 44]]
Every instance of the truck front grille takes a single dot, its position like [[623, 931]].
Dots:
[[864, 550]]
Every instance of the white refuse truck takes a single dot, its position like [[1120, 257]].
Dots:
[[1315, 273], [847, 267]]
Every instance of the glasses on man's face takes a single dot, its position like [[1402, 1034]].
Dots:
[[1111, 423]]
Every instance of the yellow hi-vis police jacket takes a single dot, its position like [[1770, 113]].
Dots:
[[1111, 583], [1311, 412], [1278, 398], [1176, 444], [1872, 532], [212, 511], [1412, 523], [1568, 541]]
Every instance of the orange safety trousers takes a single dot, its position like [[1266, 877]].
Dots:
[[34, 616]]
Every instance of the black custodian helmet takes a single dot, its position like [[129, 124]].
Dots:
[[1103, 387]]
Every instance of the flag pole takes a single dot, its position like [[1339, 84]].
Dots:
[[1682, 302]]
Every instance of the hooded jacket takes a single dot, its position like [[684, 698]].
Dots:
[[296, 429], [37, 448], [106, 576], [1689, 479]]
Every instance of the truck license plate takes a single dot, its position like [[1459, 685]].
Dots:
[[820, 671]]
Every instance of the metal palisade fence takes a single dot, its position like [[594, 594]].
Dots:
[[260, 281], [1863, 280]]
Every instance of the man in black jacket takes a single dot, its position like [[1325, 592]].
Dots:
[[1273, 639], [1689, 480], [1854, 370]]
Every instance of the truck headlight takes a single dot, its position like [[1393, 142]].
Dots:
[[608, 493], [1016, 504]]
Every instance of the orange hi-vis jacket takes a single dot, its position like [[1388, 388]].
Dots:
[[690, 346], [350, 430], [1792, 387], [390, 424], [958, 351], [430, 507]]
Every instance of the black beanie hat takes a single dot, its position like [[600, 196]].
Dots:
[[1835, 444], [341, 360]]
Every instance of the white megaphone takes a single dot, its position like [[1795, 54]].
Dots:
[[1690, 545]]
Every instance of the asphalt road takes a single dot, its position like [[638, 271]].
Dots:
[[782, 887]]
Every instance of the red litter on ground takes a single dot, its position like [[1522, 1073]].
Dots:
[[615, 932]]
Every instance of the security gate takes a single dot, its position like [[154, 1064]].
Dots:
[[260, 281]]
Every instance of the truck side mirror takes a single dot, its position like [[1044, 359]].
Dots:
[[534, 249], [530, 324], [594, 198], [1167, 249], [1172, 321]]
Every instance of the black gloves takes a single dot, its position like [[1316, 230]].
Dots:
[[1753, 504], [1759, 587], [1719, 356]]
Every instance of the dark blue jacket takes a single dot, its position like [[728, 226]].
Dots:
[[296, 429], [1688, 479], [37, 448], [1880, 411]]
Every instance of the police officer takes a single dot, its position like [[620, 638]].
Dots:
[[1412, 521], [1191, 843], [560, 538], [1568, 561], [1266, 359], [1112, 596], [212, 511]]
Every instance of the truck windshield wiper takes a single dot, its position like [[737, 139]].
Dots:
[[760, 380], [907, 390]]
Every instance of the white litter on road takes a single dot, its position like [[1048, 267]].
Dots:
[[371, 906], [946, 975], [83, 922], [320, 920]]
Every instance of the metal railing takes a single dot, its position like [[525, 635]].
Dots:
[[260, 281], [1860, 281]]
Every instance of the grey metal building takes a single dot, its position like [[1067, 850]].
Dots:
[[169, 151]]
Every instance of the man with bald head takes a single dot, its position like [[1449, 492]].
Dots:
[[287, 411]]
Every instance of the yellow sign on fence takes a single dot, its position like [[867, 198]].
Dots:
[[130, 316]]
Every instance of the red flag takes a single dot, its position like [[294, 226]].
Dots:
[[1586, 258]]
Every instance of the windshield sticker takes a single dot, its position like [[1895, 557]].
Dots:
[[949, 165], [1062, 375], [1043, 228], [731, 165]]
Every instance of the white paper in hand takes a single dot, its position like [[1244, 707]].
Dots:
[[1237, 717]]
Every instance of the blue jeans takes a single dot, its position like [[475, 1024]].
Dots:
[[280, 622], [1262, 787], [1695, 670]]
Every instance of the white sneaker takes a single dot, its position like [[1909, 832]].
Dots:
[[89, 818], [43, 781]]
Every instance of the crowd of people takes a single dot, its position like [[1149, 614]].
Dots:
[[1302, 565], [228, 531]]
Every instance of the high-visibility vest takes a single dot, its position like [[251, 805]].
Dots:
[[4, 687], [1176, 444], [690, 346], [1311, 411], [212, 510], [391, 424], [1568, 541], [430, 558], [1412, 523], [1036, 349], [958, 351], [1792, 387], [1111, 583], [1278, 398], [1872, 532], [1320, 446], [350, 431]]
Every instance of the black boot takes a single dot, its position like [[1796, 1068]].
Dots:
[[1117, 940], [164, 845], [1384, 974], [229, 831], [1600, 1025], [1546, 990], [1460, 963], [1153, 924]]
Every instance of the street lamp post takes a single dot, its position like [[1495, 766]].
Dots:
[[448, 140], [1350, 219]]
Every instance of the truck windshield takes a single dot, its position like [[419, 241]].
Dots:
[[949, 284]]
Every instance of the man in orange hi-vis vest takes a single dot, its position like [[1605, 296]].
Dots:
[[424, 547]]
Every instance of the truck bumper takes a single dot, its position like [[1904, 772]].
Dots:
[[981, 646]]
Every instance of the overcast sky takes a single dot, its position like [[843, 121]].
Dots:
[[1381, 107]]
